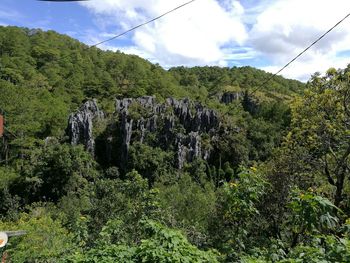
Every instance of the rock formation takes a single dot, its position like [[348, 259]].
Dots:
[[229, 97], [80, 125], [178, 123]]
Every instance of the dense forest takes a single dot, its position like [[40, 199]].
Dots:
[[107, 157]]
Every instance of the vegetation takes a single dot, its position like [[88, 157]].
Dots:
[[276, 190]]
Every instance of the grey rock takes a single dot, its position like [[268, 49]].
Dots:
[[229, 97], [80, 125], [122, 105], [179, 124], [126, 132], [194, 117], [188, 148]]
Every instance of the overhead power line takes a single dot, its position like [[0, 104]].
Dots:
[[143, 24], [301, 53], [133, 28]]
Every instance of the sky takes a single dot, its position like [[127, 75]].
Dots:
[[265, 34]]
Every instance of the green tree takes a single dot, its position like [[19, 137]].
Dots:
[[190, 206], [151, 162], [45, 239], [127, 200], [320, 131], [54, 171], [167, 245], [237, 212]]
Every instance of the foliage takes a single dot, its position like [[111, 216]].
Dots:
[[292, 205], [188, 205], [160, 245], [319, 137], [165, 245], [53, 171], [312, 213], [45, 239], [237, 211], [151, 162], [127, 200]]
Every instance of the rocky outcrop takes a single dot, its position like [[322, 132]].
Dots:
[[188, 148], [193, 116], [229, 97], [80, 125], [177, 124]]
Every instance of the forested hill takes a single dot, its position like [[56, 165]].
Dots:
[[107, 157], [54, 74], [32, 58]]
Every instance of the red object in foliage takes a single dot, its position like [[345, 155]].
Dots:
[[1, 125]]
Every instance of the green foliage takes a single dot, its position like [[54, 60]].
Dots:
[[218, 79], [7, 176], [32, 112], [159, 245], [312, 213], [151, 162], [53, 171], [166, 245], [10, 204], [266, 127], [189, 205], [105, 254], [319, 137], [237, 211], [45, 240], [136, 111], [127, 200]]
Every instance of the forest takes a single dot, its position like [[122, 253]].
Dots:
[[106, 157]]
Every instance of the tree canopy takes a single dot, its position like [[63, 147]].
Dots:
[[267, 180]]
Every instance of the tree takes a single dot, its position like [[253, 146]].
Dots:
[[321, 129], [127, 200], [167, 245], [54, 171], [160, 244], [237, 212], [45, 240], [190, 206], [151, 162]]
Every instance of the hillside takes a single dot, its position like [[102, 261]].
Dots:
[[54, 75], [107, 157]]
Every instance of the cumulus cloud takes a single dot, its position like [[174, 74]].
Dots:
[[229, 32], [284, 28], [195, 35]]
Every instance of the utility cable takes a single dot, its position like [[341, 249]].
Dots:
[[143, 24], [132, 29], [301, 53]]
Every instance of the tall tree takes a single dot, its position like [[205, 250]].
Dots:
[[321, 130]]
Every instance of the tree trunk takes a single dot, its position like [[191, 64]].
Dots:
[[339, 188]]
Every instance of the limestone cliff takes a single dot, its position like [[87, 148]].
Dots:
[[179, 125], [80, 125]]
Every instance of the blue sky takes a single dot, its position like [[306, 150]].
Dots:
[[264, 34]]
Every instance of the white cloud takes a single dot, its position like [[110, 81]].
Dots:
[[9, 14], [226, 32], [193, 35], [303, 71], [284, 28]]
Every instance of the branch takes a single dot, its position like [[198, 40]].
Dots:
[[326, 170], [343, 159], [345, 102], [333, 154]]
